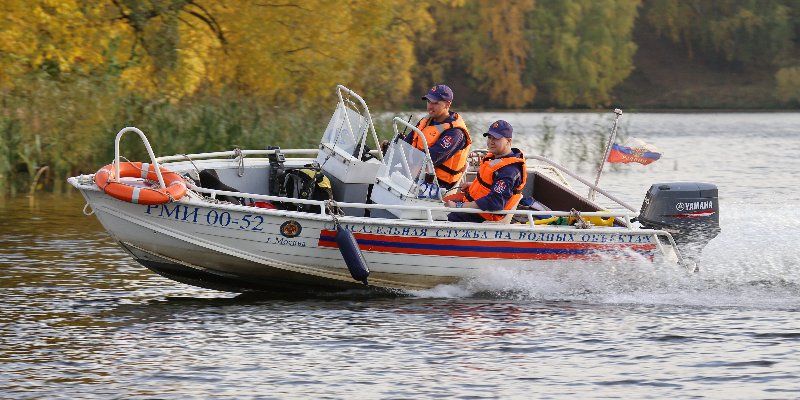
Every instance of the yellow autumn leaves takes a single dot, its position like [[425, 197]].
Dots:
[[283, 50], [509, 53]]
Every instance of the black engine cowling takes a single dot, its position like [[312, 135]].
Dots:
[[687, 210]]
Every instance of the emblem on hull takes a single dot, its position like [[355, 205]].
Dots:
[[291, 228]]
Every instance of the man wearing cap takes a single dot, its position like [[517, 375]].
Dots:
[[446, 135], [498, 185]]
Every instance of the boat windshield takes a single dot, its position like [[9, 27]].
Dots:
[[403, 159], [346, 129]]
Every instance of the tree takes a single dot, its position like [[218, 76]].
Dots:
[[581, 48], [496, 52], [734, 32], [54, 36], [788, 84]]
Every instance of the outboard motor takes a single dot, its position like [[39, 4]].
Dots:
[[687, 210]]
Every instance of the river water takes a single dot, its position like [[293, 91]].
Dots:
[[80, 319]]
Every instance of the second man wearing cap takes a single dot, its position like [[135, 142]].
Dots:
[[446, 135], [499, 182]]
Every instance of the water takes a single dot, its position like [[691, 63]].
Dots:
[[81, 319]]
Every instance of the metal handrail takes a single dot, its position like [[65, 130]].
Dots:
[[146, 145], [429, 209], [313, 152], [429, 160], [555, 229], [403, 159], [370, 125], [181, 157], [200, 156], [429, 164], [582, 180]]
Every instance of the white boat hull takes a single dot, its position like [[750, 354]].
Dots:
[[242, 248]]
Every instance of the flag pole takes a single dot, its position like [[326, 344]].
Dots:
[[618, 112]]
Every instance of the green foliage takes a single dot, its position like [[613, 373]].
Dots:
[[71, 127], [582, 49], [51, 123], [570, 52], [738, 32], [495, 50], [788, 84], [9, 141], [204, 124]]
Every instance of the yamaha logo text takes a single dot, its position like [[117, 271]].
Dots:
[[697, 205]]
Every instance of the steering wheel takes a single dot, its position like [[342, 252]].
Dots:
[[366, 156]]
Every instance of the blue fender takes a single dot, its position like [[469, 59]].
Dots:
[[351, 254]]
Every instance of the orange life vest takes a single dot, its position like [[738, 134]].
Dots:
[[450, 170], [482, 185]]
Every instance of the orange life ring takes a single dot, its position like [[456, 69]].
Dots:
[[105, 180]]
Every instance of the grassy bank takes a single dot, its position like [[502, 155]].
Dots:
[[59, 130]]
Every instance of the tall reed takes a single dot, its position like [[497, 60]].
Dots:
[[69, 125]]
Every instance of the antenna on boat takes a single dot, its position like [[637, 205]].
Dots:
[[405, 128], [618, 112]]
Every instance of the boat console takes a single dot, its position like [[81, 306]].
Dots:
[[344, 155], [407, 177]]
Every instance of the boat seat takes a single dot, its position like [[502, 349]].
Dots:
[[209, 179]]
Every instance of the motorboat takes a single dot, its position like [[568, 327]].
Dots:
[[348, 215]]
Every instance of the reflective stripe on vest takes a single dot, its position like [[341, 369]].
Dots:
[[451, 169], [482, 185]]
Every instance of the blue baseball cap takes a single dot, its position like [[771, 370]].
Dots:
[[439, 92], [500, 129]]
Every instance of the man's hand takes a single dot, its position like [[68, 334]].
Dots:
[[460, 204], [464, 186]]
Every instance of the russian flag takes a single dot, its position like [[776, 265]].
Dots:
[[634, 150]]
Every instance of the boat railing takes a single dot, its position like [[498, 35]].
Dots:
[[673, 245], [362, 141], [313, 152], [147, 146], [428, 160], [429, 210], [234, 153], [428, 166], [582, 180]]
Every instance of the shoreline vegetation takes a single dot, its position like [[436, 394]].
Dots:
[[198, 75]]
